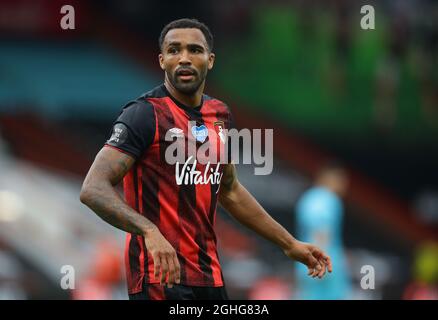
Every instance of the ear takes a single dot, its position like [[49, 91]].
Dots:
[[211, 60], [161, 60]]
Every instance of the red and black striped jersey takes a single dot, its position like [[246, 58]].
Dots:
[[179, 198]]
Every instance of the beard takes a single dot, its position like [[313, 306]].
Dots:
[[187, 87]]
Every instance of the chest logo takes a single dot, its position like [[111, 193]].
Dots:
[[200, 133], [219, 126], [188, 173]]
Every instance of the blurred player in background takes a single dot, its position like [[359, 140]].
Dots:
[[168, 215], [424, 283], [319, 220], [104, 280]]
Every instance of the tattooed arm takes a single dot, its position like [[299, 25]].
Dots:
[[234, 197], [99, 194]]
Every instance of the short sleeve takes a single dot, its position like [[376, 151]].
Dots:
[[134, 130]]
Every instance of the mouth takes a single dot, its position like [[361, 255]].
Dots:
[[185, 74]]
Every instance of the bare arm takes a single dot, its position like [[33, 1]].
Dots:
[[244, 207], [99, 194], [234, 197]]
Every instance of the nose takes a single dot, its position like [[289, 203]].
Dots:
[[185, 58]]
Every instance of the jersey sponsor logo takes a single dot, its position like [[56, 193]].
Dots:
[[176, 133], [200, 133], [188, 174], [219, 126]]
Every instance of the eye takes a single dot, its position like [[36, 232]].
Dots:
[[196, 50], [172, 50]]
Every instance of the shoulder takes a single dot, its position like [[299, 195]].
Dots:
[[136, 111], [143, 104], [218, 104], [137, 115], [321, 194], [313, 198], [157, 92], [138, 105], [221, 110], [320, 200]]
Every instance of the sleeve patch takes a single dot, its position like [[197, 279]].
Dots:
[[119, 135]]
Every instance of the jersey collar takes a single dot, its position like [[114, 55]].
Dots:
[[181, 105]]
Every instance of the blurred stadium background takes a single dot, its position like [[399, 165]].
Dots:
[[329, 89]]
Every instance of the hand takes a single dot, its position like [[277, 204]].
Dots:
[[314, 258], [164, 256]]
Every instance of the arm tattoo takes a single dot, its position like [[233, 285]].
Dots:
[[99, 194]]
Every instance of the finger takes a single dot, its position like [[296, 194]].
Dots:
[[157, 265], [312, 262], [171, 278], [317, 268], [328, 262], [164, 269], [312, 272], [177, 269], [322, 272], [316, 271]]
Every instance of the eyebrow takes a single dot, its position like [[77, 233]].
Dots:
[[190, 45]]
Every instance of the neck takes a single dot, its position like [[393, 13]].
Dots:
[[328, 187], [324, 185], [191, 100]]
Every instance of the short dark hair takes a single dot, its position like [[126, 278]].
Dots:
[[187, 23]]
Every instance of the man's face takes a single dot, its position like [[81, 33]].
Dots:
[[185, 58], [338, 180]]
